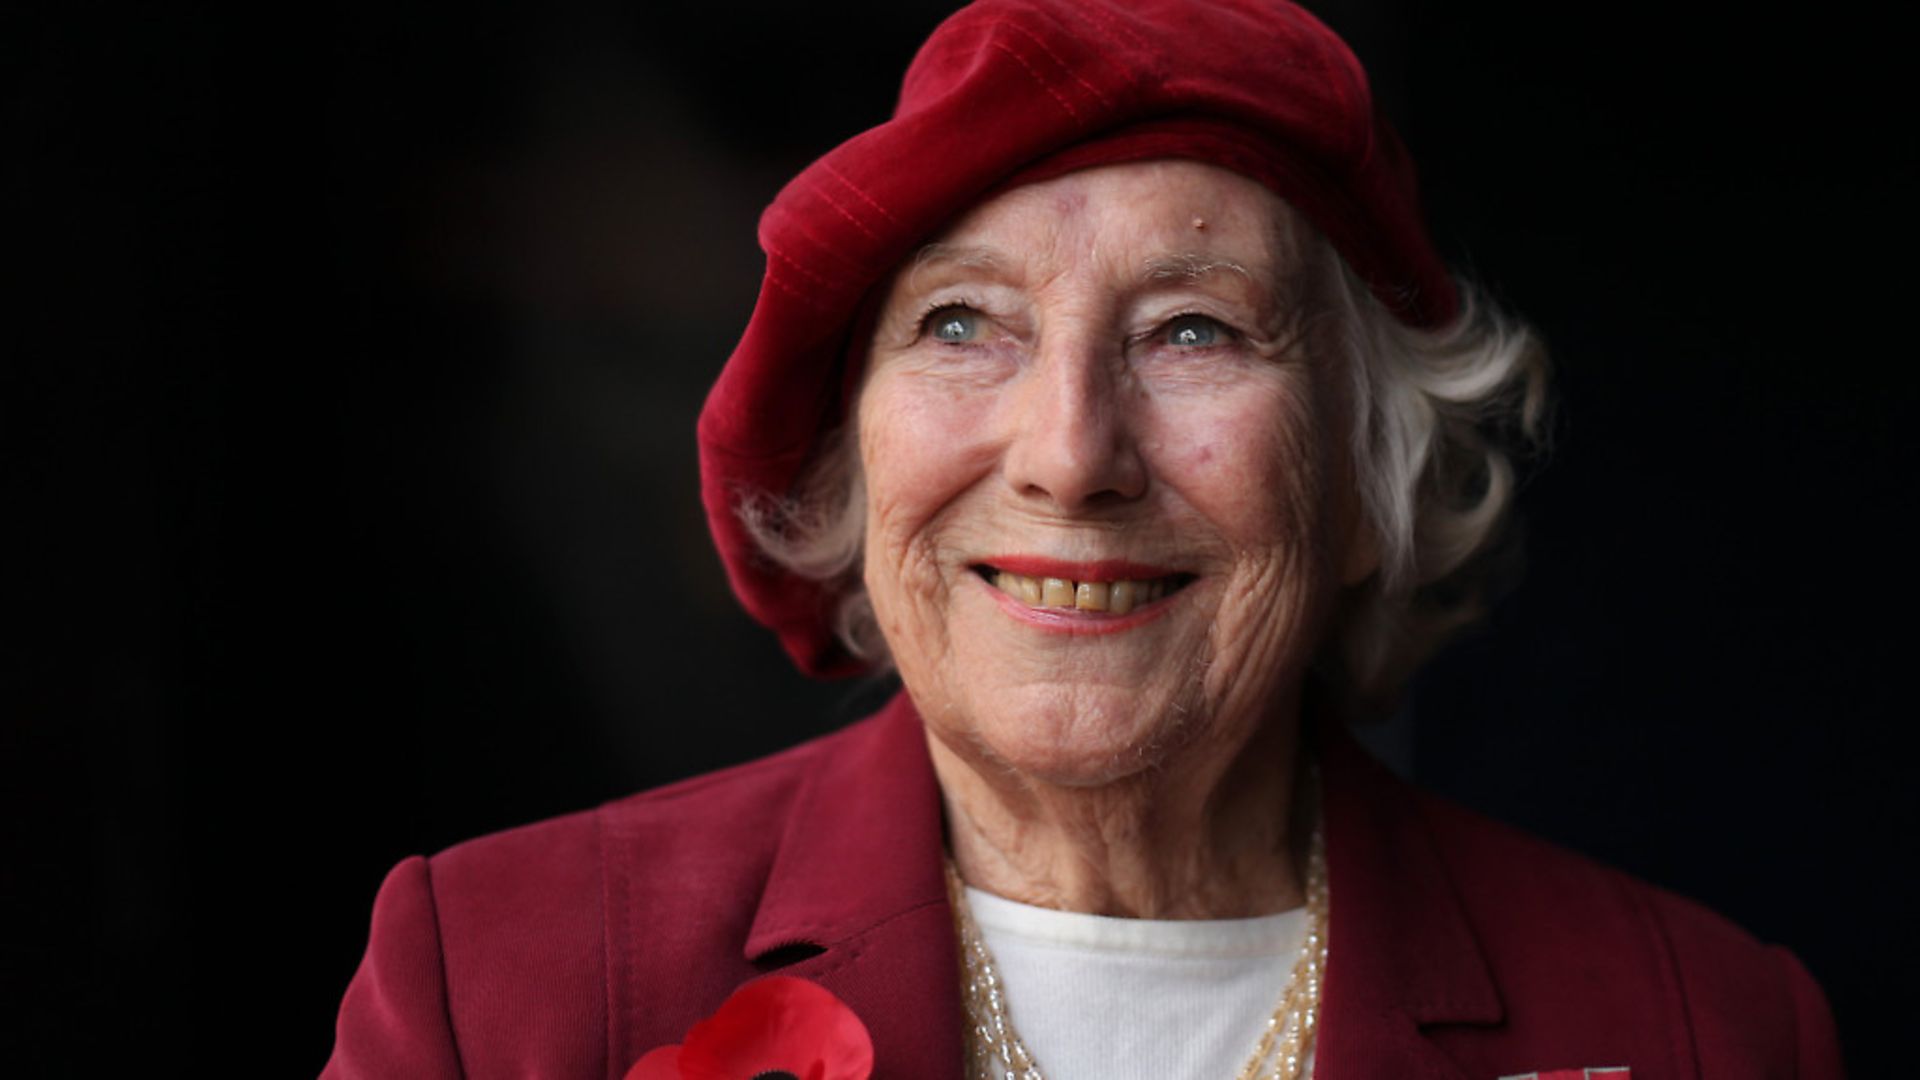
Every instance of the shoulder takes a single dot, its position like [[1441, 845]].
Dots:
[[560, 860], [493, 954], [720, 823], [718, 828], [1557, 927]]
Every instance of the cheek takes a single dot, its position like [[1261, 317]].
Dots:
[[1256, 473], [922, 451], [918, 451], [1254, 465]]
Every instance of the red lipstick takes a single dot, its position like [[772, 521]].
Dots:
[[1102, 570], [1073, 622]]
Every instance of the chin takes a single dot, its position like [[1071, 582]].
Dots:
[[1080, 737]]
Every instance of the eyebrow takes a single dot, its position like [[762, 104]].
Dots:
[[1181, 267], [1192, 267], [938, 255], [1195, 268]]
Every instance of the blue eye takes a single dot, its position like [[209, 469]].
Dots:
[[1194, 332], [953, 323]]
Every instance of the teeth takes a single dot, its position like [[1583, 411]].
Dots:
[[1026, 589], [1115, 597], [1056, 592]]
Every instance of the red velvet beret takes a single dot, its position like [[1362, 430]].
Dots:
[[1016, 90]]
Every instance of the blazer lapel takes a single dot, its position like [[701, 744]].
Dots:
[[858, 890], [1401, 955]]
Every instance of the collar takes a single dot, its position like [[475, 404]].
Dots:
[[857, 882], [1401, 954], [858, 877]]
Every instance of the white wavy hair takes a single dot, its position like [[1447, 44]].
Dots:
[[1440, 418]]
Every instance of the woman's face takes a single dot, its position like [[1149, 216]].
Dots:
[[1097, 380]]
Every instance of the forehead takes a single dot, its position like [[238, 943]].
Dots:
[[1120, 215]]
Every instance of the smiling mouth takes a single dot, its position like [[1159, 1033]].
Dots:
[[1115, 597]]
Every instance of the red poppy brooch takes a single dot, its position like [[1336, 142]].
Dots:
[[776, 1028]]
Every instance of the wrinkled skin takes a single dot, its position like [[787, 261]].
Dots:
[[1109, 366]]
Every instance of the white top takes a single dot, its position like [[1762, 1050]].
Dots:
[[1096, 998]]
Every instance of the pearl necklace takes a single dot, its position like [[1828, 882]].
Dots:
[[994, 1049]]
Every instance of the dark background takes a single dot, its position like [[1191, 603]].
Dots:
[[350, 360]]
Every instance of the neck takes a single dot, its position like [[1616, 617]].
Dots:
[[1203, 836]]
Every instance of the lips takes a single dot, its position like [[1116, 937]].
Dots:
[[1112, 586]]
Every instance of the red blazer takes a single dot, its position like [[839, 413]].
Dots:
[[1459, 948]]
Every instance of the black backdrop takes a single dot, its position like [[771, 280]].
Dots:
[[350, 363]]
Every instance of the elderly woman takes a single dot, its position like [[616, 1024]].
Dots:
[[1114, 395]]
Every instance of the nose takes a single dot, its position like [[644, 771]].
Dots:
[[1074, 442]]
